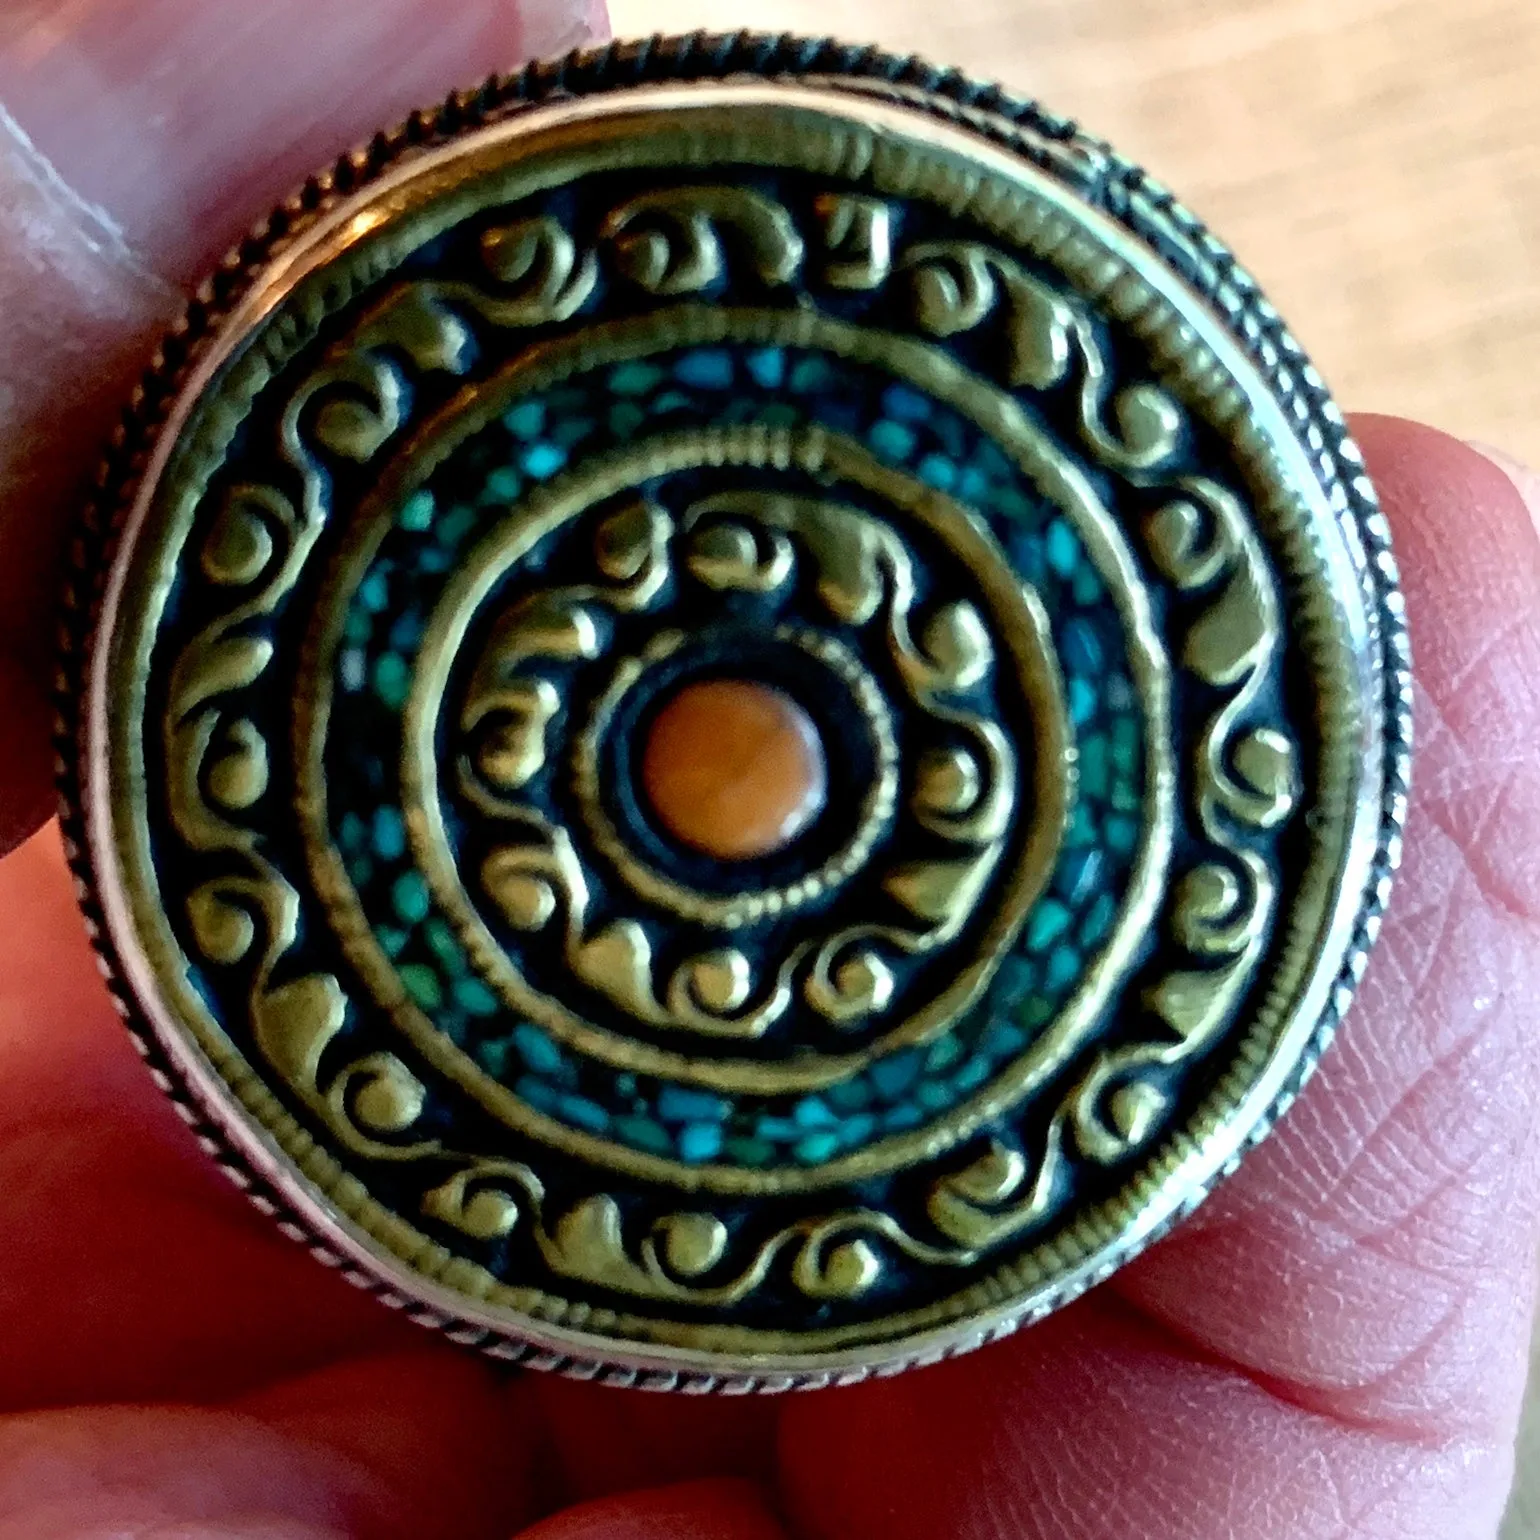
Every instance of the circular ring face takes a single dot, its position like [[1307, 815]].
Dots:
[[1000, 507]]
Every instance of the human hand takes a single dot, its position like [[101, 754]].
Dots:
[[1332, 1348]]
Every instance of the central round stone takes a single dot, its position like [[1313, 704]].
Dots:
[[734, 769]]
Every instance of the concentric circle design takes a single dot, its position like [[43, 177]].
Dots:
[[747, 394]]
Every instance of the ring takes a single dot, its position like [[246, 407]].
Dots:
[[734, 715]]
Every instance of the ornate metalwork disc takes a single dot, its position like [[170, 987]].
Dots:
[[737, 714]]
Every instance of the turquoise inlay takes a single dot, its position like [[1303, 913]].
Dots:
[[1050, 920], [456, 525], [543, 460], [817, 1148], [1063, 968], [411, 898], [539, 1095], [392, 680], [504, 485], [937, 471], [422, 985], [536, 1049], [416, 513], [1095, 766], [891, 440], [895, 1074], [681, 1104], [1121, 833], [392, 941], [1061, 548], [472, 996], [406, 633], [389, 834], [812, 1113], [1079, 875], [767, 367], [700, 1141], [526, 420], [1082, 701], [635, 379], [645, 1134], [905, 404], [1081, 646], [812, 373], [1097, 925], [706, 368], [374, 592], [929, 441], [586, 1114]]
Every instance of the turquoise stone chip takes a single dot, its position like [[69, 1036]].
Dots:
[[972, 1075], [536, 1049], [1061, 548], [374, 592], [1096, 925], [1122, 833], [504, 485], [901, 1119], [767, 367], [352, 832], [625, 418], [944, 1052], [859, 1129], [678, 1104], [445, 945], [810, 1112], [456, 525], [891, 440], [750, 1152], [392, 942], [1125, 745], [422, 984], [1087, 587], [543, 460], [493, 1056], [1079, 875], [392, 680], [905, 404], [635, 379], [852, 1095], [526, 420], [816, 1148], [416, 513], [586, 1114], [1050, 920], [389, 834], [1082, 701], [707, 369], [472, 996], [1001, 1040], [934, 1095], [939, 472], [1095, 765], [700, 1141], [811, 373], [411, 898], [894, 1075], [539, 1095], [645, 1134], [1082, 647], [1063, 968]]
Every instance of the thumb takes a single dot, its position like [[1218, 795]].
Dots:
[[136, 143]]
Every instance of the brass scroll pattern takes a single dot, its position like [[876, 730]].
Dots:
[[673, 244], [755, 542]]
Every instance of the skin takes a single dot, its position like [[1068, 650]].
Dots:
[[1332, 1350]]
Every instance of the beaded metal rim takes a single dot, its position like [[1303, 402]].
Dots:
[[1120, 192]]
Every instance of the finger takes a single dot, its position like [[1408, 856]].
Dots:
[[701, 1510], [1333, 1347], [137, 142], [412, 1446]]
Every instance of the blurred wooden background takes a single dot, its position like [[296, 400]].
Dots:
[[1375, 162]]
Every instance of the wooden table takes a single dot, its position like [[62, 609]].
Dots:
[[1376, 163]]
